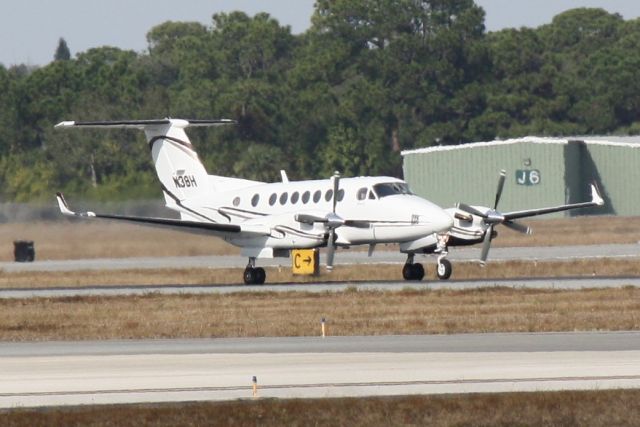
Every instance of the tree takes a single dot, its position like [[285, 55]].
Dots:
[[62, 51]]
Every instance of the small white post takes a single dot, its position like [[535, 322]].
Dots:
[[254, 381]]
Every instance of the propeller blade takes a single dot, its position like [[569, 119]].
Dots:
[[501, 179], [471, 210], [331, 249], [517, 227], [486, 245], [336, 187]]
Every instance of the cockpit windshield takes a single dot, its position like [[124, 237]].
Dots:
[[391, 189]]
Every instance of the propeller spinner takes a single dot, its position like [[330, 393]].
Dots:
[[492, 218]]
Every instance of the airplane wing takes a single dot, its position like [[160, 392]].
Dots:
[[596, 200], [188, 226]]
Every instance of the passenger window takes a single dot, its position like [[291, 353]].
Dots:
[[272, 199], [305, 197], [371, 195], [316, 196], [294, 197], [362, 193], [283, 198], [236, 201], [340, 195], [255, 199], [328, 195]]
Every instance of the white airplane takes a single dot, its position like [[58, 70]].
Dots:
[[267, 220]]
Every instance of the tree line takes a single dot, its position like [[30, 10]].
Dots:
[[368, 79]]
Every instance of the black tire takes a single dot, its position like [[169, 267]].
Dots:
[[249, 276], [407, 272], [444, 269], [418, 271], [261, 275], [413, 272]]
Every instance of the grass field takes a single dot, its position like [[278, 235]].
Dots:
[[104, 239], [570, 408], [351, 312]]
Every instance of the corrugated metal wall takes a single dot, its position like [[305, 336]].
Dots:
[[616, 168], [469, 174]]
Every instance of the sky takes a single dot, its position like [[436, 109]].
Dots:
[[30, 29]]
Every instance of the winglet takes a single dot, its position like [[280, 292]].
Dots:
[[64, 207], [595, 195], [62, 204]]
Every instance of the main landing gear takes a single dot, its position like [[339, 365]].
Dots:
[[254, 275], [411, 270]]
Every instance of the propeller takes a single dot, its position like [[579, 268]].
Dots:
[[332, 220], [337, 221], [492, 218]]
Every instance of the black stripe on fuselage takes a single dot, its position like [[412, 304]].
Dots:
[[179, 203]]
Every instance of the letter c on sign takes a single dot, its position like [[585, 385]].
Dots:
[[296, 261]]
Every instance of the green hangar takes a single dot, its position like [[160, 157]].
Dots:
[[540, 172]]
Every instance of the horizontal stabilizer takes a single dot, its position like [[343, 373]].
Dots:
[[143, 124]]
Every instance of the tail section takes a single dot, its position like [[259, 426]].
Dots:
[[177, 164]]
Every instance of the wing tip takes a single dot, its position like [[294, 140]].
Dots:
[[595, 195], [62, 204]]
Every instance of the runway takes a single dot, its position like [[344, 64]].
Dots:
[[123, 290], [70, 373], [343, 257]]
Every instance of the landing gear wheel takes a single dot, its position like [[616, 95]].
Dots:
[[260, 275], [254, 276], [444, 269], [249, 276], [407, 272], [418, 271], [413, 271]]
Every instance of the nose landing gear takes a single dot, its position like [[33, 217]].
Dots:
[[444, 269]]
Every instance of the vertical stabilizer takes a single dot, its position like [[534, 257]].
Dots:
[[177, 164]]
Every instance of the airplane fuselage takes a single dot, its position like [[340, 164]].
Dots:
[[381, 210]]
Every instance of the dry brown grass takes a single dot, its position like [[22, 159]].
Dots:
[[586, 230], [389, 272], [351, 312], [103, 239], [568, 408]]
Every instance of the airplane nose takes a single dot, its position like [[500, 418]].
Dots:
[[437, 219], [443, 221]]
